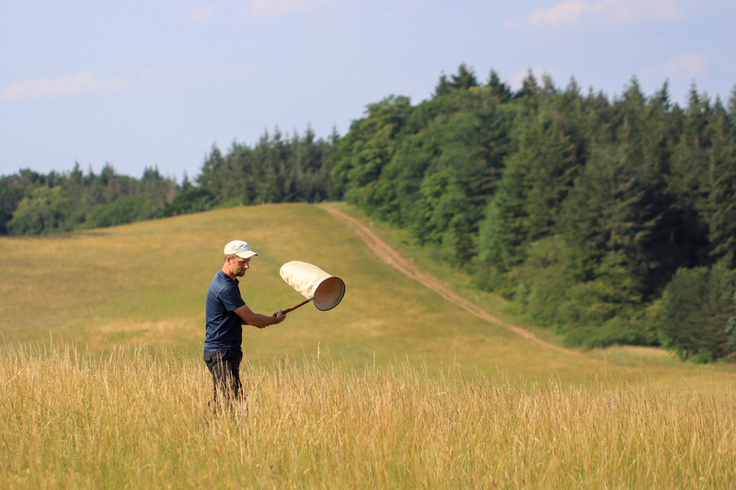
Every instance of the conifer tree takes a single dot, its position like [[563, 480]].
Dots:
[[615, 207], [464, 79], [529, 87], [498, 89], [527, 205], [719, 209], [443, 86]]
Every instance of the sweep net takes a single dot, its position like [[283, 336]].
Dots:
[[313, 283]]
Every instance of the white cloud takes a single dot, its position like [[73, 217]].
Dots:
[[276, 8], [565, 12], [82, 83], [681, 69], [569, 12], [685, 66], [688, 65], [198, 15], [664, 8]]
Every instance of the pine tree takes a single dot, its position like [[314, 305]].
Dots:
[[663, 96], [615, 206], [499, 90], [529, 88], [464, 79], [719, 209], [209, 177], [527, 205], [443, 86], [548, 89]]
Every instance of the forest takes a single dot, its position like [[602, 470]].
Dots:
[[610, 220]]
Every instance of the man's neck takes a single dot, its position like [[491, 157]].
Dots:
[[229, 274]]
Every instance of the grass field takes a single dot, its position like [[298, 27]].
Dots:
[[102, 384], [133, 419]]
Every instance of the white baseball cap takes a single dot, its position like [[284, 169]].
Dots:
[[239, 248]]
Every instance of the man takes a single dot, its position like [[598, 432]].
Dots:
[[226, 314]]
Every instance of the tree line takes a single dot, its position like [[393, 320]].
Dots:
[[276, 169], [33, 203], [608, 220]]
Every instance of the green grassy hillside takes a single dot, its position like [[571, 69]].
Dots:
[[146, 283]]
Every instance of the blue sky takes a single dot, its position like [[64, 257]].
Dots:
[[142, 84]]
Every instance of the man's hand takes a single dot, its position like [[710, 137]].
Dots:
[[257, 320], [279, 317]]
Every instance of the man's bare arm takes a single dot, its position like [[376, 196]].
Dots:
[[258, 320]]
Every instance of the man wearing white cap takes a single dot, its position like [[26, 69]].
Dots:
[[226, 314]]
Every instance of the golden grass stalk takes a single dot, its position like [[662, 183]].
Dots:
[[134, 418]]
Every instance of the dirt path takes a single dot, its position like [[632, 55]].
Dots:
[[391, 257]]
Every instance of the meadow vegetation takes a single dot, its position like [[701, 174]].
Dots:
[[133, 419]]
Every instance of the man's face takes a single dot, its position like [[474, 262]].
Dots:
[[239, 265]]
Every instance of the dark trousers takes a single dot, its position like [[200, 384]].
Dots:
[[225, 369]]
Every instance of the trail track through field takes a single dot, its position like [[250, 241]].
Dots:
[[391, 257]]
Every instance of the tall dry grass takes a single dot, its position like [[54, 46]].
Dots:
[[134, 418]]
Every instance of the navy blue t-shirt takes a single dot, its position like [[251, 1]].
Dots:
[[224, 328]]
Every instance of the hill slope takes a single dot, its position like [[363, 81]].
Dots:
[[146, 282]]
